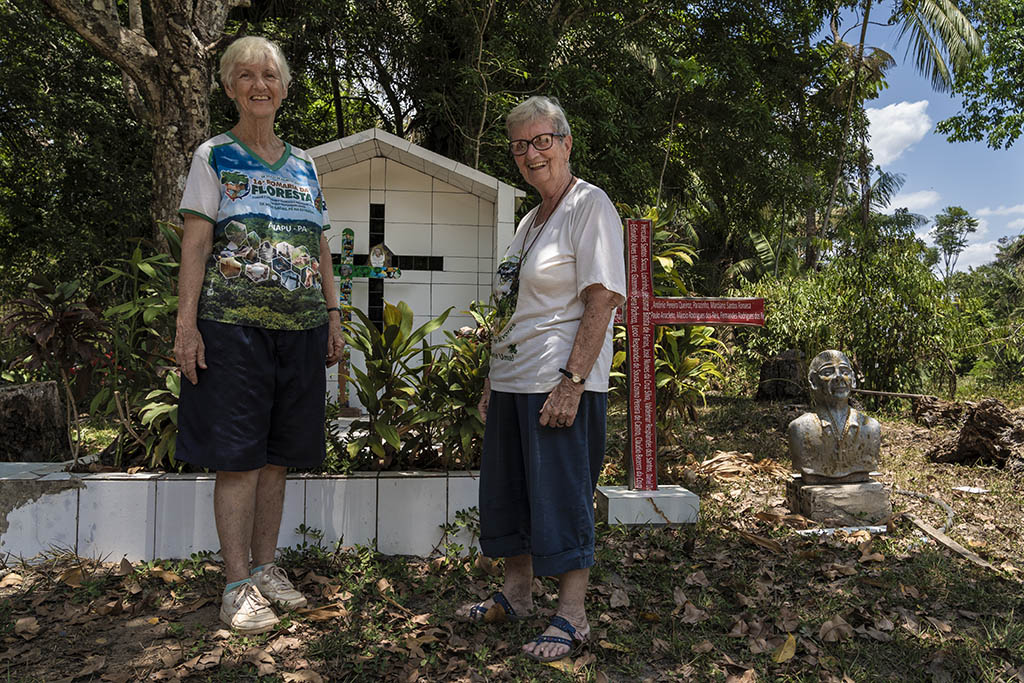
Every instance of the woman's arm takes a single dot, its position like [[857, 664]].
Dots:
[[562, 403], [196, 244], [335, 339]]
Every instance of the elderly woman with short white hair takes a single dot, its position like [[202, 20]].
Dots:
[[545, 402], [258, 323]]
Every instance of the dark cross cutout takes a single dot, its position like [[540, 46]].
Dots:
[[375, 294], [642, 311]]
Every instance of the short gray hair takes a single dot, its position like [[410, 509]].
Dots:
[[539, 107], [250, 50]]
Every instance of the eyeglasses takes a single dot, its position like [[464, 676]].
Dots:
[[540, 143]]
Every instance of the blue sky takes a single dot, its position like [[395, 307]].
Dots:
[[988, 183]]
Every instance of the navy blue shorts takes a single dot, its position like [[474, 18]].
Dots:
[[537, 483], [260, 400]]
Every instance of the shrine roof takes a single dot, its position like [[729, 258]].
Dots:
[[374, 142]]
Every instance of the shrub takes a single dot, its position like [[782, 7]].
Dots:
[[885, 309]]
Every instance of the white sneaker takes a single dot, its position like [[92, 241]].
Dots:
[[246, 610], [274, 584]]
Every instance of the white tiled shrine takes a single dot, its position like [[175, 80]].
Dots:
[[433, 206]]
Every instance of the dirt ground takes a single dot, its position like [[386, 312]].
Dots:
[[739, 596]]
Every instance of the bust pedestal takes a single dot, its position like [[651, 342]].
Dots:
[[864, 503]]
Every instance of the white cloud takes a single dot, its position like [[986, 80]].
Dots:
[[977, 255], [1016, 225], [982, 228], [1002, 210], [916, 202], [895, 128]]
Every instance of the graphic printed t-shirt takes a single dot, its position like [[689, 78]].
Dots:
[[264, 270], [579, 245]]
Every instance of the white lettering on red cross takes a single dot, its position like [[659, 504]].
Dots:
[[642, 312]]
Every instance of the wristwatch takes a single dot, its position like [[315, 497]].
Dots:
[[573, 377]]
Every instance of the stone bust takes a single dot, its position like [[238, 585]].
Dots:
[[835, 444]]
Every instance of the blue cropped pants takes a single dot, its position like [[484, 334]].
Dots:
[[537, 483]]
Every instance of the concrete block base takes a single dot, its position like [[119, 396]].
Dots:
[[667, 505], [836, 505]]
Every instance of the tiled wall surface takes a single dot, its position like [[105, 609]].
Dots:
[[147, 516], [423, 216]]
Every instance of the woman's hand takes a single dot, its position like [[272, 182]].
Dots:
[[335, 338], [485, 401], [560, 408], [190, 352]]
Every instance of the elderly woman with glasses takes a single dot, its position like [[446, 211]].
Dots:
[[545, 401], [257, 324]]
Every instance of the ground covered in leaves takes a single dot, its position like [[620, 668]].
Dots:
[[739, 596]]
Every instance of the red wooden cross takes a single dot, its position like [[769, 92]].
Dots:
[[642, 312]]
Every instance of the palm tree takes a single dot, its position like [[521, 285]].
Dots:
[[943, 41]]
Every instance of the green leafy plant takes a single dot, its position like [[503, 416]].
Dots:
[[451, 386], [684, 367], [143, 333], [61, 334], [160, 419], [388, 386]]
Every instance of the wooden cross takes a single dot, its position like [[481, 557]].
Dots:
[[642, 311]]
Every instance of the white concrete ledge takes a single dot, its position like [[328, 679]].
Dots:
[[170, 516]]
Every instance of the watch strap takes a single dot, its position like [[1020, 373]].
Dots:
[[573, 377]]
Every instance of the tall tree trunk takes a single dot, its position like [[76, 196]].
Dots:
[[339, 111], [169, 64], [812, 254]]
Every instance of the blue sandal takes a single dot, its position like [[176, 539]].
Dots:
[[574, 642], [478, 612]]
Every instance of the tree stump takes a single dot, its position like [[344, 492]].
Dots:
[[990, 433], [783, 378], [930, 411], [33, 426]]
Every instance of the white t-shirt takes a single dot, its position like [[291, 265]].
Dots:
[[579, 245]]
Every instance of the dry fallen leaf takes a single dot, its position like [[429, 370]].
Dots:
[[495, 614], [940, 626], [261, 659], [205, 661], [92, 665], [165, 576], [607, 645], [703, 646], [27, 627], [564, 664], [739, 630], [324, 612], [748, 676], [766, 543], [487, 565], [786, 651], [11, 580], [835, 629], [73, 577], [698, 579], [302, 677], [693, 614]]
